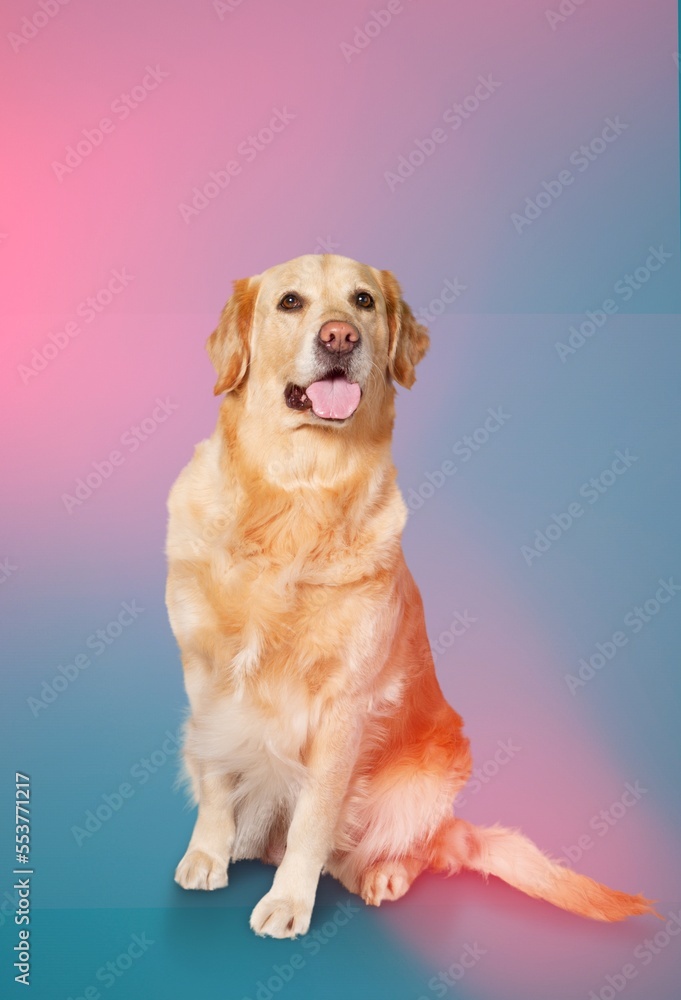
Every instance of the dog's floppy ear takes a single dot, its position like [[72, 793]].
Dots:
[[229, 344], [408, 339]]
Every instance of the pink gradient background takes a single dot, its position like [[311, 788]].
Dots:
[[323, 177]]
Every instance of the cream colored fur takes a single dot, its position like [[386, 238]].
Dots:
[[318, 737]]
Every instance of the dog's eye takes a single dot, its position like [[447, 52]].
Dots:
[[364, 300], [291, 301]]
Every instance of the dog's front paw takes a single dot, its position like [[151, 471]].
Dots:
[[199, 870], [281, 916]]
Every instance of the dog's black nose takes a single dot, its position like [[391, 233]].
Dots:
[[338, 337]]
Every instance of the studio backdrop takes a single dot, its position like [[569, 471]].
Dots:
[[516, 165]]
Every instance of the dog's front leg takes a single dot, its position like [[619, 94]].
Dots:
[[286, 909], [204, 865]]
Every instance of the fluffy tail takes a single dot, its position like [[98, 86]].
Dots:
[[512, 857]]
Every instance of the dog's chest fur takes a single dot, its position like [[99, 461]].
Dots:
[[274, 586], [277, 619]]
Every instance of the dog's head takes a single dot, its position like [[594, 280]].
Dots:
[[315, 340]]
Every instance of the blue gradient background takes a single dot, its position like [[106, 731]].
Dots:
[[493, 347]]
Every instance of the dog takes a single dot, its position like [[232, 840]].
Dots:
[[318, 738]]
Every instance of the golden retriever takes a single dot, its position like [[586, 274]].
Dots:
[[319, 739]]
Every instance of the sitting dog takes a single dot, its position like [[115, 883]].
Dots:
[[319, 739]]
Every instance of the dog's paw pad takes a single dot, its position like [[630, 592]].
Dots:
[[199, 870], [281, 917]]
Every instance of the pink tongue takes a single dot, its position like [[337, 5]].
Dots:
[[334, 398]]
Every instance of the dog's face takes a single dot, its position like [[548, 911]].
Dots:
[[315, 340]]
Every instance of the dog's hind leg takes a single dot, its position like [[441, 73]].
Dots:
[[389, 878]]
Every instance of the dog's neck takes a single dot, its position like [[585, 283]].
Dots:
[[307, 479], [317, 457]]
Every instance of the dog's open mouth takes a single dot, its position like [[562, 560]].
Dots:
[[332, 398]]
